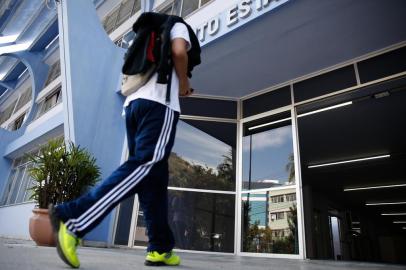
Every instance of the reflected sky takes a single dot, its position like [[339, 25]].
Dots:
[[270, 155], [198, 147]]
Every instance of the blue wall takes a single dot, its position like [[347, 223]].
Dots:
[[92, 107], [38, 71]]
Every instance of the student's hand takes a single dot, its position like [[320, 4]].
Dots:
[[184, 88]]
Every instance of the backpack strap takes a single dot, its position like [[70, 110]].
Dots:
[[168, 86]]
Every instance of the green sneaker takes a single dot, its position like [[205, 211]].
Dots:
[[167, 258], [66, 242]]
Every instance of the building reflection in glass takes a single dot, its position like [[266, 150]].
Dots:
[[270, 222], [269, 215]]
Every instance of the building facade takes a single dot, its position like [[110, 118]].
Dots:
[[292, 147]]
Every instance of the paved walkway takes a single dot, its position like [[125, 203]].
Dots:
[[25, 255]]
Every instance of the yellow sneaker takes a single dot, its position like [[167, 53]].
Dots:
[[167, 258], [66, 242]]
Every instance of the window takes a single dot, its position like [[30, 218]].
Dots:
[[16, 124], [189, 6], [14, 107], [110, 21], [54, 72], [126, 40], [199, 221], [5, 115], [277, 216], [50, 101], [183, 7], [203, 156], [124, 11], [119, 15], [269, 186], [202, 221], [291, 197], [268, 153], [278, 233], [18, 184], [24, 98], [278, 199]]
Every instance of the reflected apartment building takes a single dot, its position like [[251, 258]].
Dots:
[[292, 146]]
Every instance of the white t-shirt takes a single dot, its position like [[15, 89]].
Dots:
[[157, 92]]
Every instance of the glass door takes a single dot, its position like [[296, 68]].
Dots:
[[269, 186]]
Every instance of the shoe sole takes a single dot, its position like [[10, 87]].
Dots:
[[149, 263], [55, 222]]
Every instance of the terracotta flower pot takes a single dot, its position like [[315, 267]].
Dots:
[[41, 228]]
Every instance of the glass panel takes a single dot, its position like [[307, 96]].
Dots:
[[59, 96], [5, 115], [24, 99], [28, 193], [189, 6], [111, 21], [40, 109], [268, 158], [137, 6], [203, 156], [202, 221], [50, 101], [177, 4], [17, 123], [54, 72], [203, 2], [125, 11], [140, 237], [269, 222], [124, 221], [127, 40], [7, 190], [167, 10], [16, 185], [23, 188], [199, 221]]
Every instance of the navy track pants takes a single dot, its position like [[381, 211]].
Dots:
[[151, 129]]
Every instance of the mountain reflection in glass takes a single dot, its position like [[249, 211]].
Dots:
[[203, 156]]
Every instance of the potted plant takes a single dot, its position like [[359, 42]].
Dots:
[[61, 172]]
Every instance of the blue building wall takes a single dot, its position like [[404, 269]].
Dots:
[[91, 77], [10, 142]]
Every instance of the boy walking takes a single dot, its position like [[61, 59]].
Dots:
[[151, 119]]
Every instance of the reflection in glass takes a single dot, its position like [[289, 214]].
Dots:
[[124, 221], [268, 159], [7, 190], [141, 233], [269, 222], [189, 6], [16, 185], [202, 221], [24, 184], [203, 156]]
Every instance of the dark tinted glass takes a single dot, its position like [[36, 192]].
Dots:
[[124, 222], [383, 65], [202, 221], [266, 102], [324, 84], [209, 107]]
